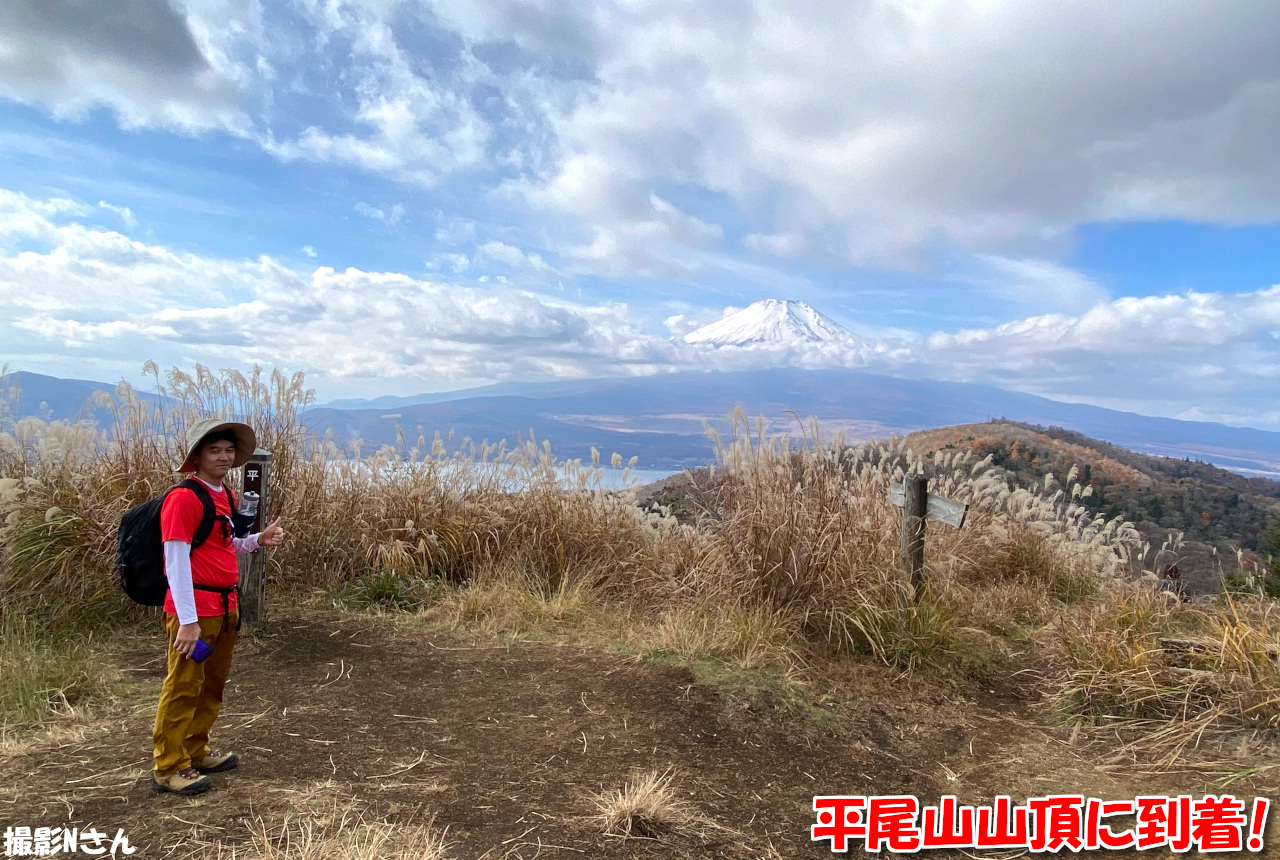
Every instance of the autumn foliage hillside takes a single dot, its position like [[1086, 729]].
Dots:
[[1203, 514]]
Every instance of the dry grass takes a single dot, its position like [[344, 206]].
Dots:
[[1181, 681], [795, 556], [803, 537], [809, 534], [44, 678], [646, 807], [351, 840], [343, 833], [513, 602], [745, 637]]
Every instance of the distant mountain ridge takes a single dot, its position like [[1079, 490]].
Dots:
[[661, 418], [54, 399]]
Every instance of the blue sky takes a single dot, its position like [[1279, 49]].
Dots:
[[397, 197]]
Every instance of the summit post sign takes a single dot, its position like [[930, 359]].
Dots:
[[919, 505], [253, 567]]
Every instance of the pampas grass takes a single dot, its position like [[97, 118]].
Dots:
[[793, 552]]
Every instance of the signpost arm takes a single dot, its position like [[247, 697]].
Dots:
[[913, 517], [253, 567]]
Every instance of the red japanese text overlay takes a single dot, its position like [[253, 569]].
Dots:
[[899, 824]]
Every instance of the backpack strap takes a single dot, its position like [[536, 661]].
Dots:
[[208, 518]]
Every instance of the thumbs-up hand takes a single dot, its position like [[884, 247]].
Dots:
[[272, 535]]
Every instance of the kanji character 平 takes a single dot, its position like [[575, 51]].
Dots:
[[839, 820]]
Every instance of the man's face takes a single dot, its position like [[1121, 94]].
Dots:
[[215, 459]]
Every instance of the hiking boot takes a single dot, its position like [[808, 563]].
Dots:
[[216, 762], [185, 782]]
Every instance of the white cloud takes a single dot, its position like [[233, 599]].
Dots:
[[777, 244], [107, 297], [403, 113], [681, 324], [309, 251], [1156, 354], [877, 129], [454, 231], [1041, 283], [390, 216], [455, 263], [113, 298], [629, 229], [125, 213], [515, 258], [872, 131]]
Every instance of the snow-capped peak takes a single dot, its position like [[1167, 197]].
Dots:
[[773, 322]]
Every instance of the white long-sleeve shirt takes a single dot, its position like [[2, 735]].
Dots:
[[177, 567]]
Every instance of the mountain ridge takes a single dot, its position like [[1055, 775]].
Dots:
[[661, 418], [1202, 514], [670, 410]]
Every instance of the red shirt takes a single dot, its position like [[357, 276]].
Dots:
[[214, 561]]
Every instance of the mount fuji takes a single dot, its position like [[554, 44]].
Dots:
[[772, 323]]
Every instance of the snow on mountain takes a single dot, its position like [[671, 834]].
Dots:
[[773, 322]]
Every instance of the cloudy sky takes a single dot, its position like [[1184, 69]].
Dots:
[[1076, 200]]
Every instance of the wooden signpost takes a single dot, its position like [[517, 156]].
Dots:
[[253, 568], [918, 505]]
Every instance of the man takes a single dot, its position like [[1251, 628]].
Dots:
[[201, 605]]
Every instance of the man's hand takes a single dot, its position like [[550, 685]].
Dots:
[[185, 642], [272, 535]]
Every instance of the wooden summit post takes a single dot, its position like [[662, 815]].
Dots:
[[918, 505], [253, 568]]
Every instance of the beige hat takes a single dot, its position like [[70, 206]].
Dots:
[[246, 441]]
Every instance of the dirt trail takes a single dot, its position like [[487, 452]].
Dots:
[[505, 744]]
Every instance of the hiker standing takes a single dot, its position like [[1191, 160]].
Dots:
[[201, 605]]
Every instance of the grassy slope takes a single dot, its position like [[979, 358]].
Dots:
[[1212, 507]]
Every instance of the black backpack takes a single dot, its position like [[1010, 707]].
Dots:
[[140, 552]]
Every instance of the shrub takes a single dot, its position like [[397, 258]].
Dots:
[[391, 590]]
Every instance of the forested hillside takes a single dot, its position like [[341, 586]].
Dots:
[[1212, 507]]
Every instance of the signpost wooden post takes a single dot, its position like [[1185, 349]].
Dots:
[[253, 568], [913, 496]]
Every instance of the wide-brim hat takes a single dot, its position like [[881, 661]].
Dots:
[[246, 441]]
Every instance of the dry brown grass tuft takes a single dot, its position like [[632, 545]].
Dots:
[[513, 602], [746, 637], [342, 834], [44, 678], [646, 807], [1177, 680]]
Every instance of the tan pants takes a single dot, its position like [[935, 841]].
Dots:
[[192, 695]]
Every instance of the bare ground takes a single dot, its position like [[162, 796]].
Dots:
[[505, 744]]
